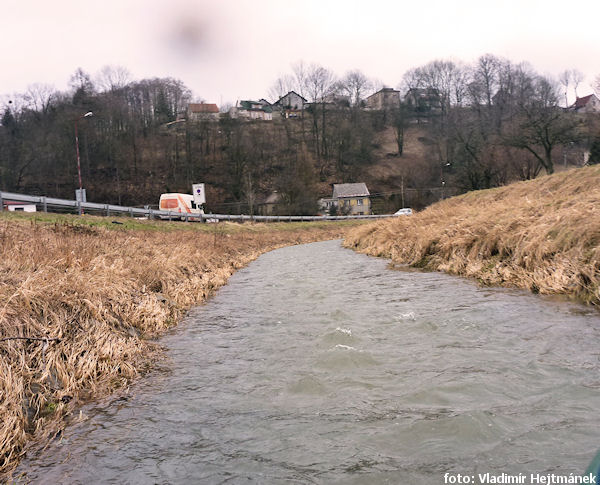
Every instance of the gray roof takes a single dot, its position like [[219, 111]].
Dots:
[[350, 190]]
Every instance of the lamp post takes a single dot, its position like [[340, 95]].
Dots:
[[80, 197], [447, 164]]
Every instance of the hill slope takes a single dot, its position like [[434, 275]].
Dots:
[[542, 235]]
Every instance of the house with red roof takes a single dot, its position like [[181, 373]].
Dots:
[[202, 111], [587, 104]]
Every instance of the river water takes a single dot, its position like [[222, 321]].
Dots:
[[319, 365]]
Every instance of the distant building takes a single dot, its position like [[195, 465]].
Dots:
[[291, 105], [587, 104], [253, 110], [384, 99], [202, 111], [350, 199], [267, 206], [331, 101], [423, 100]]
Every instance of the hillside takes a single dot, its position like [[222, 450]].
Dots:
[[129, 158], [542, 235], [296, 156], [128, 143], [132, 149], [412, 171]]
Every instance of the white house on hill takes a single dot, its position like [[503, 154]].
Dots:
[[351, 199]]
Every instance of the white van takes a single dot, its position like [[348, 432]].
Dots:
[[403, 212], [180, 204]]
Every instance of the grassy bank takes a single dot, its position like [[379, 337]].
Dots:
[[541, 235], [82, 297]]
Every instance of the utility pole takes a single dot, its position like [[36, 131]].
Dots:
[[80, 197], [402, 190]]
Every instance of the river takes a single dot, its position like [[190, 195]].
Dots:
[[319, 365]]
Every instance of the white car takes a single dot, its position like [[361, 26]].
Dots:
[[403, 212]]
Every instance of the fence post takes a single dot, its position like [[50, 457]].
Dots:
[[130, 212], [107, 207], [45, 204], [79, 207], [1, 203]]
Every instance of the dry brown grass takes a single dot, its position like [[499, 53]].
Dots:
[[98, 295], [542, 235]]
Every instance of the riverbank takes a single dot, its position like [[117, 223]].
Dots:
[[542, 235], [81, 299]]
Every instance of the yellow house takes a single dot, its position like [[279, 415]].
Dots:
[[352, 199]]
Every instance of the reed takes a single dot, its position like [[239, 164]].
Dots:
[[81, 299], [542, 235]]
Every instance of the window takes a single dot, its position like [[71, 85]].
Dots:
[[359, 202]]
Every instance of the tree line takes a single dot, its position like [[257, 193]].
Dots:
[[498, 120], [483, 124]]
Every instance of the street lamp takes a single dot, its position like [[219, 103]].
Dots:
[[80, 197], [447, 164]]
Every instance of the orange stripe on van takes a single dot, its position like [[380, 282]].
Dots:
[[187, 209]]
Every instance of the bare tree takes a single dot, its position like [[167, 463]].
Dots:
[[39, 97], [81, 81], [299, 69], [570, 77], [302, 79], [376, 85], [282, 85], [541, 125], [446, 78], [410, 80], [111, 78], [564, 78], [356, 84], [576, 78], [486, 79], [319, 82]]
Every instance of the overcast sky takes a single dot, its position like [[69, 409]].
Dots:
[[225, 50]]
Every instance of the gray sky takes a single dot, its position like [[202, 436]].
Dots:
[[226, 50]]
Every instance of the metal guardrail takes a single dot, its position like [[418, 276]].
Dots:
[[47, 203]]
